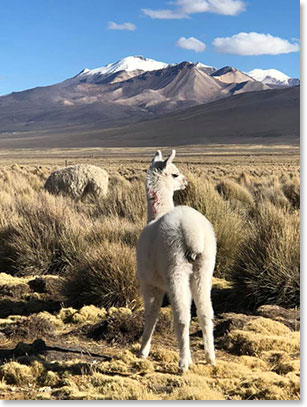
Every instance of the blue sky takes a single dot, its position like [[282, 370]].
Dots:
[[47, 41]]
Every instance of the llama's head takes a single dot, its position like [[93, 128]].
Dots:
[[163, 173]]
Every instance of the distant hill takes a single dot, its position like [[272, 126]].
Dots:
[[259, 117]]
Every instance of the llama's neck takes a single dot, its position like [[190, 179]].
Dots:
[[159, 201]]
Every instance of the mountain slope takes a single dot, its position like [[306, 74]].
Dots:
[[263, 117], [228, 74]]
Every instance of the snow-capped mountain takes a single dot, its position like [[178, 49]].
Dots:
[[273, 77], [128, 64], [119, 71], [130, 90]]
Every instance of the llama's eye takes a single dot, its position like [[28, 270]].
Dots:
[[175, 175]]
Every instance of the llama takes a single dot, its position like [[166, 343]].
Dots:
[[175, 255], [78, 181]]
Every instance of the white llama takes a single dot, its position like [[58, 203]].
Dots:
[[78, 181], [175, 255]]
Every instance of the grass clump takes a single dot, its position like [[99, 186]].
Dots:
[[196, 388], [243, 342], [87, 314], [266, 326], [231, 190], [120, 388], [268, 386], [35, 326], [127, 202], [267, 267], [282, 363], [291, 190], [44, 239], [105, 278], [118, 327], [16, 373]]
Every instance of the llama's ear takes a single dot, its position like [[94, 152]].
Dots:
[[157, 157], [170, 159]]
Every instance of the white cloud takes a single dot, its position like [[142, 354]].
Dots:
[[254, 44], [191, 43], [226, 7], [192, 6], [164, 14], [124, 26], [186, 7]]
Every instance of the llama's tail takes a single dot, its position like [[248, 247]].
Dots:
[[199, 238]]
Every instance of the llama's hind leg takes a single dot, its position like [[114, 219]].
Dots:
[[153, 297], [201, 292], [180, 298]]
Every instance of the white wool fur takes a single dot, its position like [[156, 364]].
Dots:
[[175, 255], [78, 180]]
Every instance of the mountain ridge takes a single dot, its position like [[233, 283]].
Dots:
[[116, 97]]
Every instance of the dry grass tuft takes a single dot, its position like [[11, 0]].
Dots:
[[291, 190], [196, 388], [268, 386], [266, 326], [231, 190], [283, 363], [87, 314], [241, 342], [128, 202], [36, 326], [119, 388], [267, 268], [119, 328], [15, 373], [105, 278], [45, 238]]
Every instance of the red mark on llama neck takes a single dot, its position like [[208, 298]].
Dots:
[[154, 198]]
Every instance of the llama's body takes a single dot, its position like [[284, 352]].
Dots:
[[77, 181], [171, 240], [175, 255]]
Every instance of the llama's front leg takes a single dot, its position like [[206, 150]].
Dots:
[[152, 300], [180, 298], [201, 291]]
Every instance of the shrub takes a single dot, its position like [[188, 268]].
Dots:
[[267, 268], [16, 373], [105, 278], [127, 202], [44, 239], [292, 192], [233, 191]]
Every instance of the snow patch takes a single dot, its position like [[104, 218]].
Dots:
[[270, 76], [128, 64], [200, 65]]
